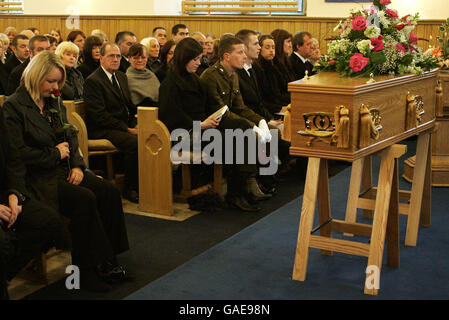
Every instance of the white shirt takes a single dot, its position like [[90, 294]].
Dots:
[[247, 67], [110, 76]]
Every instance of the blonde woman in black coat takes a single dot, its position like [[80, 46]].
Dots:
[[55, 173]]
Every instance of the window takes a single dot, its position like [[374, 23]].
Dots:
[[244, 7], [11, 6]]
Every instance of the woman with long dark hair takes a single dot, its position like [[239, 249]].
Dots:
[[283, 47], [269, 77], [167, 53], [91, 56]]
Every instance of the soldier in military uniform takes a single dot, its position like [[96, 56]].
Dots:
[[222, 84]]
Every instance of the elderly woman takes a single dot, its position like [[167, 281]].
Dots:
[[143, 83], [55, 173], [153, 53], [91, 56], [167, 52], [100, 34], [73, 87], [11, 32], [316, 52], [27, 227]]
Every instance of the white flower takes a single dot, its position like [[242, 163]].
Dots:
[[364, 46], [339, 47], [372, 32], [383, 19]]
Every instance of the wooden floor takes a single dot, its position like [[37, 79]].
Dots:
[[27, 282]]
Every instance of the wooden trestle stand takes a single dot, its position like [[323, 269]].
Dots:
[[353, 119]]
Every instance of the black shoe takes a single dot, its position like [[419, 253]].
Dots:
[[112, 274], [131, 195], [91, 282], [242, 204]]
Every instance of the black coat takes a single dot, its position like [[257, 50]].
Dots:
[[11, 63], [73, 87], [15, 76], [270, 84], [88, 67], [107, 109], [124, 65], [251, 94], [36, 141], [182, 99], [3, 78], [299, 67], [12, 170]]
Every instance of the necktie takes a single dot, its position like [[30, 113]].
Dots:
[[115, 84]]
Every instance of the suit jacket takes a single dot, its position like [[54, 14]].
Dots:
[[251, 94], [223, 89], [15, 76], [11, 63], [299, 67], [124, 65], [36, 142], [106, 108]]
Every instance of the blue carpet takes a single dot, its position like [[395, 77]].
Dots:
[[257, 263]]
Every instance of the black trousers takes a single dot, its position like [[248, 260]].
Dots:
[[127, 143], [97, 222], [37, 229]]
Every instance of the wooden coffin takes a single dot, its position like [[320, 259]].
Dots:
[[346, 118], [440, 146]]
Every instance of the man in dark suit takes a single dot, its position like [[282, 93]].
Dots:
[[125, 40], [20, 50], [249, 87], [302, 49], [110, 114], [36, 44]]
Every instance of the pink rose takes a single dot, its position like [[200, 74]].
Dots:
[[332, 62], [357, 62], [392, 13], [385, 2], [400, 48], [359, 23], [377, 43], [413, 38], [399, 26]]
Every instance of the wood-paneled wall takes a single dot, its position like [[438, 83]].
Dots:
[[321, 28]]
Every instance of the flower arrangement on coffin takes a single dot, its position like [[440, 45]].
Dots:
[[376, 41], [441, 53]]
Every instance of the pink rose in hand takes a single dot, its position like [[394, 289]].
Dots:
[[358, 62], [359, 23]]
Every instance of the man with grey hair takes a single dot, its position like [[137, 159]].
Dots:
[[302, 49], [110, 113]]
